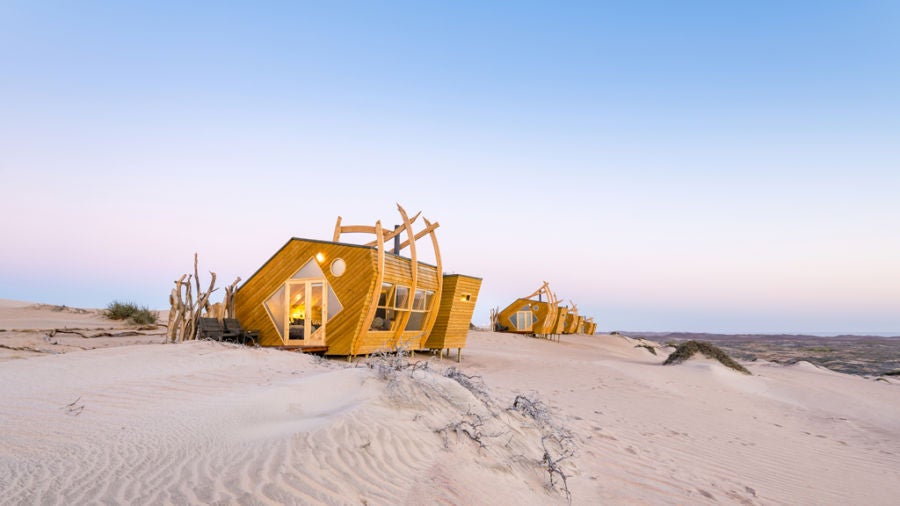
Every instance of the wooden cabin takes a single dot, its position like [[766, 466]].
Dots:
[[529, 316], [590, 328], [571, 326], [451, 327], [561, 315], [351, 299]]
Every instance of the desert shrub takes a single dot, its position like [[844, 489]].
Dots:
[[144, 316], [120, 310], [128, 310], [688, 349], [649, 348]]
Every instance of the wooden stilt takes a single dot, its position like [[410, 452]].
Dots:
[[459, 354]]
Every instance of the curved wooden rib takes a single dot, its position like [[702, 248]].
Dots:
[[427, 230], [376, 293], [414, 266], [390, 234], [436, 299], [337, 230]]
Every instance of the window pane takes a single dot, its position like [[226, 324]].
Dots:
[[298, 310], [334, 305], [416, 320], [429, 295], [384, 319], [385, 294], [419, 300], [316, 299], [275, 308], [402, 297]]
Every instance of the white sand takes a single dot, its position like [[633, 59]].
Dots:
[[213, 423]]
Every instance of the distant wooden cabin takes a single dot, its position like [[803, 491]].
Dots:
[[561, 315], [529, 316], [350, 299], [590, 328], [571, 326]]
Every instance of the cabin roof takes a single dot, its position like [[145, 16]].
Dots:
[[350, 245]]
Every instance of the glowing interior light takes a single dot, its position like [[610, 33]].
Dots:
[[320, 257]]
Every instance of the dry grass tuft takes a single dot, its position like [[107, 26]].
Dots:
[[688, 349]]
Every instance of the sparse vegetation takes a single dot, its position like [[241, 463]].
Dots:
[[649, 348], [130, 311], [688, 349]]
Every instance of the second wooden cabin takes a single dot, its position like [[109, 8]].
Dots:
[[531, 314], [349, 299]]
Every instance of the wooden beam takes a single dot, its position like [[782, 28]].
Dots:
[[359, 229], [431, 227], [436, 300], [337, 230], [414, 268], [376, 292]]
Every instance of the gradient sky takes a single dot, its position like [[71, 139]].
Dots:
[[697, 166]]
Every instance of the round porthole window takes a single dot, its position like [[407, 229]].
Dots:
[[338, 266]]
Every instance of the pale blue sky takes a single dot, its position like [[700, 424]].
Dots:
[[697, 166]]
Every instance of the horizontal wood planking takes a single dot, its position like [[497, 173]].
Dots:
[[571, 323], [455, 314], [398, 271]]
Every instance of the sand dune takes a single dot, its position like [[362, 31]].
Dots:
[[207, 422]]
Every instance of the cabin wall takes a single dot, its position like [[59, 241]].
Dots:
[[458, 298], [545, 318], [561, 315], [353, 290], [571, 323], [398, 271]]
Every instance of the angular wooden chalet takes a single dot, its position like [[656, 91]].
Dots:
[[531, 314], [590, 328], [356, 299]]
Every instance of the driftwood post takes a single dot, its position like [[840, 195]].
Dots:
[[176, 311], [229, 298], [185, 313]]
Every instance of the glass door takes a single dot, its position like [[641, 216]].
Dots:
[[306, 306]]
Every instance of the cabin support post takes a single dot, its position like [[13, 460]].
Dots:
[[459, 355]]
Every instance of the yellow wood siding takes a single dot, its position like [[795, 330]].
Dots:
[[561, 320], [571, 323], [353, 289], [455, 313]]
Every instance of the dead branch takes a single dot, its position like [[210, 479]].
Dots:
[[27, 348], [471, 426], [229, 298]]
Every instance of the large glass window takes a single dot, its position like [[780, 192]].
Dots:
[[420, 310], [275, 308], [300, 308], [384, 313], [401, 297], [523, 319]]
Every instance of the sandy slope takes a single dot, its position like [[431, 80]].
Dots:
[[214, 423], [28, 329]]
